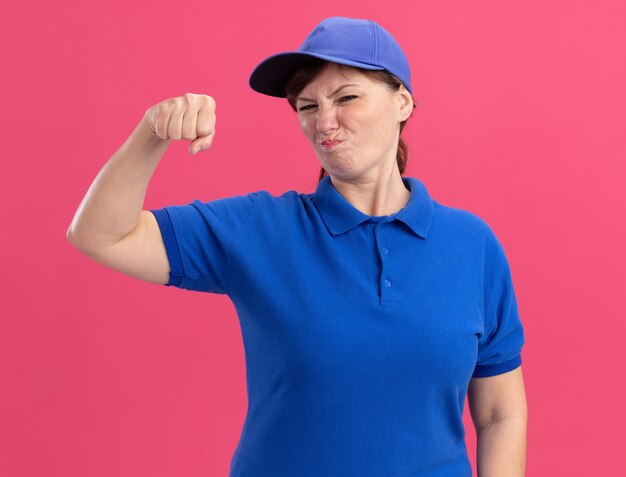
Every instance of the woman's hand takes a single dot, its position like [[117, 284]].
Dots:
[[190, 116]]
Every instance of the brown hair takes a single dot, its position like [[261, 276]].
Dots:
[[307, 73]]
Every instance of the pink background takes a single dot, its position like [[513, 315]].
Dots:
[[521, 120]]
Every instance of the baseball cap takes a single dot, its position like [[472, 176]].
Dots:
[[349, 41]]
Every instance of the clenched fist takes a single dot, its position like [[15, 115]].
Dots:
[[190, 116]]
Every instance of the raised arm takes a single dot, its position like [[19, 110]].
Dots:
[[110, 225]]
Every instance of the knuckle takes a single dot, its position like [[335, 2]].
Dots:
[[204, 130], [165, 107], [208, 100]]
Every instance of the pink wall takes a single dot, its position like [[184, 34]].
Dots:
[[521, 120]]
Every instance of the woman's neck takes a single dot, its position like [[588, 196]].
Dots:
[[374, 196]]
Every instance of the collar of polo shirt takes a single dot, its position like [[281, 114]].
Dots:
[[339, 215]]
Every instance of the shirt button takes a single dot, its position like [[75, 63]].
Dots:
[[387, 283], [385, 250]]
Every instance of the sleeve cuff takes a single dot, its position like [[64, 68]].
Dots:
[[494, 369], [171, 247]]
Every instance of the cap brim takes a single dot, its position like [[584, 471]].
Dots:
[[271, 75]]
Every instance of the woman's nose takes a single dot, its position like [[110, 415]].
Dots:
[[326, 120]]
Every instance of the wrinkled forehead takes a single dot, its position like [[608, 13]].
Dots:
[[333, 75]]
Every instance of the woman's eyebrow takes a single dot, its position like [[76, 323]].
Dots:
[[331, 94]]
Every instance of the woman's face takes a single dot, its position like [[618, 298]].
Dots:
[[352, 121]]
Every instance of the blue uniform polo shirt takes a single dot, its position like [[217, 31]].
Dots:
[[361, 333]]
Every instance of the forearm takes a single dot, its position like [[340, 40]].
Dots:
[[113, 203], [501, 448]]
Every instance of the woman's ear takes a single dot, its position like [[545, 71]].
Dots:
[[406, 103]]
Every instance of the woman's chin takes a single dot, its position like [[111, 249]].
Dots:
[[337, 165]]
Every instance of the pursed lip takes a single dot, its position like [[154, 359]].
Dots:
[[330, 142]]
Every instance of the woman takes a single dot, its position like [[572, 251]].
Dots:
[[368, 310]]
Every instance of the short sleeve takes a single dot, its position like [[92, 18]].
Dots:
[[500, 346], [198, 237]]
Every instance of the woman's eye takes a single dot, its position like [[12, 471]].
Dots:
[[341, 100]]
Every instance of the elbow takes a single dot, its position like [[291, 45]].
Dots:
[[70, 235], [74, 238]]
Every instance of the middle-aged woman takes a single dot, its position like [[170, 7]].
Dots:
[[368, 310]]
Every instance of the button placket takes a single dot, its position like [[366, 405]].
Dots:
[[385, 280]]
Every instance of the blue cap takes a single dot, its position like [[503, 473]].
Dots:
[[348, 41]]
